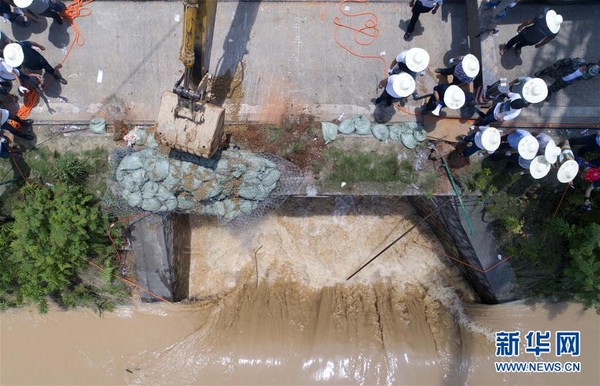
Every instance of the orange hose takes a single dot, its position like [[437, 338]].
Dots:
[[368, 31]]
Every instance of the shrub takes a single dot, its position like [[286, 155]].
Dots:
[[54, 229]]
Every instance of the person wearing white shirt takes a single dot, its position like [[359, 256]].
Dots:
[[419, 7], [503, 111]]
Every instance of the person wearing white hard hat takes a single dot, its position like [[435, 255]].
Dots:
[[396, 86], [484, 138], [524, 143], [502, 111], [532, 90], [444, 95], [47, 8], [22, 56], [419, 7], [464, 69], [538, 31], [410, 61]]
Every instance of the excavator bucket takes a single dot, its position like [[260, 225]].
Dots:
[[197, 131]]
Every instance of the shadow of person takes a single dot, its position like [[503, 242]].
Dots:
[[23, 33], [52, 87], [58, 35], [403, 25], [510, 60], [383, 113]]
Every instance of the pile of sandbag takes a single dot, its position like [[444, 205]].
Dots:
[[409, 133], [227, 186]]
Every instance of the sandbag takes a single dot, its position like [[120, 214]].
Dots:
[[347, 127], [380, 131], [329, 131], [396, 133], [362, 125]]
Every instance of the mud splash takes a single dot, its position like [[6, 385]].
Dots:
[[273, 307]]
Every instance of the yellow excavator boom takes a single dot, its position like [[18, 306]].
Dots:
[[186, 120]]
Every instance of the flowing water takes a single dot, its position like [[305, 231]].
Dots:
[[273, 306]]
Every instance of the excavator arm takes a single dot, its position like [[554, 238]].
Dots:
[[186, 120]]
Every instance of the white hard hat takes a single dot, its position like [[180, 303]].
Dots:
[[568, 171], [403, 84], [539, 167], [417, 59], [13, 54], [528, 147], [553, 21], [534, 90], [470, 65], [23, 3], [490, 139], [454, 97]]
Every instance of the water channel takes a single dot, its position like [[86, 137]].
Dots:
[[272, 306]]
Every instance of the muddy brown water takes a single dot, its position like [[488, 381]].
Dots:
[[407, 319]]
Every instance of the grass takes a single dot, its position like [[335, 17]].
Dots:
[[361, 166], [428, 184]]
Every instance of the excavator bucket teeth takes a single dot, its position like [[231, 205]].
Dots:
[[198, 131]]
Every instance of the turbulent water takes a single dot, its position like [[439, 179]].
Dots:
[[273, 306]]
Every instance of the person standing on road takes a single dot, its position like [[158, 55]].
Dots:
[[532, 90], [444, 95], [464, 69], [483, 138], [410, 61], [503, 111], [568, 71], [419, 7], [48, 8], [538, 31], [24, 57], [396, 86]]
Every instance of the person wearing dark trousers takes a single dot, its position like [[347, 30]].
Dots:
[[503, 111], [23, 56], [396, 86], [538, 31], [419, 7], [445, 95], [568, 71], [464, 69], [590, 143], [484, 138]]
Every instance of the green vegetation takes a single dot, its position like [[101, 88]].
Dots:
[[358, 166], [555, 245], [54, 231]]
